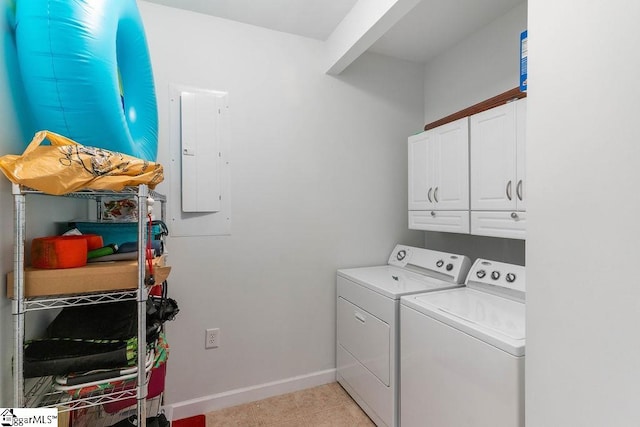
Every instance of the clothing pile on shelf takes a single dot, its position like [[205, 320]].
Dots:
[[83, 339]]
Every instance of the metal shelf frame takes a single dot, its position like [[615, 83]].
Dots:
[[40, 392]]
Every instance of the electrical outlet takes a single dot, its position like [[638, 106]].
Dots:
[[212, 338]]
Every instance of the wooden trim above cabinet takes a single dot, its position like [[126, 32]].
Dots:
[[514, 93]]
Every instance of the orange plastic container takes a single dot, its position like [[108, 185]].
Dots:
[[63, 251], [94, 241]]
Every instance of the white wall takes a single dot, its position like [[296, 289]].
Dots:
[[497, 249], [484, 65], [583, 157], [318, 177]]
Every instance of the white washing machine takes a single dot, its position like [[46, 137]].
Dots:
[[462, 351], [368, 311]]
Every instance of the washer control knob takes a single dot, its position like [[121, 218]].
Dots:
[[510, 277], [449, 267], [439, 263], [401, 254], [481, 274], [495, 275]]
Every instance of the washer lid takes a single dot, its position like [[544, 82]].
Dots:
[[496, 320], [393, 282]]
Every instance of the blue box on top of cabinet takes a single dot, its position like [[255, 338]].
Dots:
[[524, 54]]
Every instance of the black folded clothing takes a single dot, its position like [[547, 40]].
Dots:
[[85, 338], [110, 321], [62, 356]]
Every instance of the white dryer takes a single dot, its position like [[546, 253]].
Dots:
[[462, 351], [368, 305]]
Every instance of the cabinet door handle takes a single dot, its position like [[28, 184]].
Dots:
[[509, 190], [435, 195], [429, 195], [360, 317], [519, 190], [433, 214]]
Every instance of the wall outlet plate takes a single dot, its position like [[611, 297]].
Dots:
[[212, 338]]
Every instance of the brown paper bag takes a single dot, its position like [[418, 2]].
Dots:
[[66, 166]]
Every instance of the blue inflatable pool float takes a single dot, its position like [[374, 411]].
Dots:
[[87, 73]]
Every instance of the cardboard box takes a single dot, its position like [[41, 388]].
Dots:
[[96, 277], [64, 418]]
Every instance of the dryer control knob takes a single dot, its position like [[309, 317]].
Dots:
[[495, 275], [510, 277], [439, 263], [449, 267], [401, 254], [481, 274]]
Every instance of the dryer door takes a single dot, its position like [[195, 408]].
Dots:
[[366, 337]]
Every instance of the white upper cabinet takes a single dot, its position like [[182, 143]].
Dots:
[[468, 176], [439, 178], [439, 168], [419, 173], [497, 158]]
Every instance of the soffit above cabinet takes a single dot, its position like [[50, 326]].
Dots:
[[434, 26]]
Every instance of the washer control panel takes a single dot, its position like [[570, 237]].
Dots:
[[448, 266], [497, 274]]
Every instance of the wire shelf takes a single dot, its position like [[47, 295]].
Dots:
[[92, 194], [45, 303], [42, 394], [97, 416]]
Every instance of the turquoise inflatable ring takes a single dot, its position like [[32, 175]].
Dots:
[[87, 73]]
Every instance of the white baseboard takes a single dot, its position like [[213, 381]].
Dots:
[[202, 405]]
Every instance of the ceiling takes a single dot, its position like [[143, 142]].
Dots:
[[308, 18], [430, 28]]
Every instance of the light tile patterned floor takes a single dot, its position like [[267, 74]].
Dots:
[[327, 405]]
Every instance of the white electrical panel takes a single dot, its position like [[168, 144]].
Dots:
[[199, 163], [200, 143]]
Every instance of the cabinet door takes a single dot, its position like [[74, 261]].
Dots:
[[521, 118], [421, 152], [493, 159], [451, 190]]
